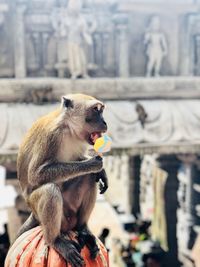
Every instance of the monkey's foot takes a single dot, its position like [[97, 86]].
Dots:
[[94, 252], [86, 238], [70, 250]]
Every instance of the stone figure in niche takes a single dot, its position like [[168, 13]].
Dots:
[[156, 47], [74, 26]]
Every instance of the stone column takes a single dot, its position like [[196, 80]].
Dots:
[[189, 208], [135, 165], [171, 164], [98, 55], [45, 39], [105, 38], [185, 221], [185, 50], [123, 46], [20, 57], [38, 51]]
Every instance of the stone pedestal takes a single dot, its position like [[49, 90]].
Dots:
[[20, 57]]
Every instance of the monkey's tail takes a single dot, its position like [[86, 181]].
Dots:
[[30, 223]]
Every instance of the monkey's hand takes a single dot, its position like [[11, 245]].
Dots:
[[102, 178], [95, 164]]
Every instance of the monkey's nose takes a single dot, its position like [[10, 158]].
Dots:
[[105, 125]]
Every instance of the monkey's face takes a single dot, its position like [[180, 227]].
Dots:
[[84, 115], [95, 123]]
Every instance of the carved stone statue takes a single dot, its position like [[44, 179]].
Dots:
[[74, 26], [156, 47]]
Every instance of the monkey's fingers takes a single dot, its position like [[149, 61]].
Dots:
[[100, 175], [74, 258], [97, 177], [103, 186], [94, 252], [82, 238], [77, 246]]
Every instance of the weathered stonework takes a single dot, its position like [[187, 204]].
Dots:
[[35, 43], [23, 90]]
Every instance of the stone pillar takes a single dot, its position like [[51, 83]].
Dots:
[[189, 208], [45, 39], [38, 54], [98, 54], [122, 46], [185, 50], [20, 57], [195, 205], [171, 164], [135, 165], [185, 220]]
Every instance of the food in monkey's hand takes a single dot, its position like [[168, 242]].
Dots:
[[102, 144]]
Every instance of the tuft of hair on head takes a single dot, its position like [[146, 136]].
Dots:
[[79, 97]]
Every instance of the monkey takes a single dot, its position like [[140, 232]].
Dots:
[[58, 182], [39, 96], [142, 115]]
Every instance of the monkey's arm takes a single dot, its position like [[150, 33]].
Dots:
[[60, 172], [102, 178]]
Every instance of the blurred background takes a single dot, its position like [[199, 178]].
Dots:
[[142, 58]]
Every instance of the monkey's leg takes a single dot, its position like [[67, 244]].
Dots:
[[28, 224], [85, 237], [47, 203]]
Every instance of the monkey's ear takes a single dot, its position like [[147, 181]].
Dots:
[[67, 103]]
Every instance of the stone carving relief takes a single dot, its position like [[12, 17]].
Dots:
[[73, 34], [156, 47], [61, 38], [82, 38]]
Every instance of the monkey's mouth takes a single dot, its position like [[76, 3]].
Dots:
[[93, 137]]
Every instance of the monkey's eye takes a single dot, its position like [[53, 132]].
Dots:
[[96, 109]]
